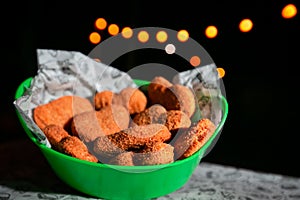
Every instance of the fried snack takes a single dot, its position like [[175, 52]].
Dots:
[[60, 111], [131, 98], [55, 134], [108, 120], [73, 146], [124, 159], [171, 96], [190, 141], [103, 98], [175, 119], [157, 153], [151, 115], [133, 138], [105, 149]]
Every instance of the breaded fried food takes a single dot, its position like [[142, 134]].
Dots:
[[155, 154], [73, 146], [151, 115], [131, 98], [175, 119], [190, 141], [55, 134], [171, 96], [108, 120], [103, 98], [133, 138], [60, 111], [124, 159], [105, 149]]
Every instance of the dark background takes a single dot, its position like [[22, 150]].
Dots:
[[261, 80]]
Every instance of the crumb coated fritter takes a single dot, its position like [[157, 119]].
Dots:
[[157, 153], [103, 98], [74, 147], [108, 120], [60, 111], [124, 159], [105, 149], [175, 119], [131, 98], [131, 138], [190, 141], [151, 115], [55, 134], [171, 96]]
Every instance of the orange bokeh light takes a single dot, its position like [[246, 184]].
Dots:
[[289, 11], [143, 36], [95, 38], [245, 25], [183, 35], [161, 36], [100, 23], [221, 72], [127, 32], [113, 29], [211, 31], [195, 61]]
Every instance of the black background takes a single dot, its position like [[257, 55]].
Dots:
[[261, 80]]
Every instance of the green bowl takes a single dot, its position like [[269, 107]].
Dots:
[[120, 182]]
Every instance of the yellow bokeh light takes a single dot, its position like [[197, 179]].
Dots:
[[95, 38], [183, 35], [289, 11], [100, 23], [245, 25], [195, 61], [221, 72], [113, 29], [143, 36], [161, 36], [127, 32], [211, 31]]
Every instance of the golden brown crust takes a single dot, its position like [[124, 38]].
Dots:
[[55, 134], [188, 142], [60, 111], [151, 115], [124, 159], [175, 119], [103, 98]]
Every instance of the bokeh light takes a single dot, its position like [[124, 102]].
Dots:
[[100, 23], [95, 38], [221, 72], [211, 31], [161, 36], [183, 35], [195, 61], [113, 29], [127, 32], [143, 36], [245, 25], [289, 11], [170, 49]]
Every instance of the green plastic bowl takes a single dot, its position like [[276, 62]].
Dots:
[[120, 182]]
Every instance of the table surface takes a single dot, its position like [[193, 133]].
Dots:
[[25, 175]]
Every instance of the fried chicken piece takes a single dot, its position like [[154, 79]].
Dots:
[[133, 138], [155, 154], [105, 149], [151, 115], [73, 146], [103, 98], [131, 98], [124, 159], [60, 111], [108, 120], [55, 134], [190, 141], [171, 96]]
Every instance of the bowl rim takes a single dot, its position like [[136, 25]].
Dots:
[[26, 84]]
